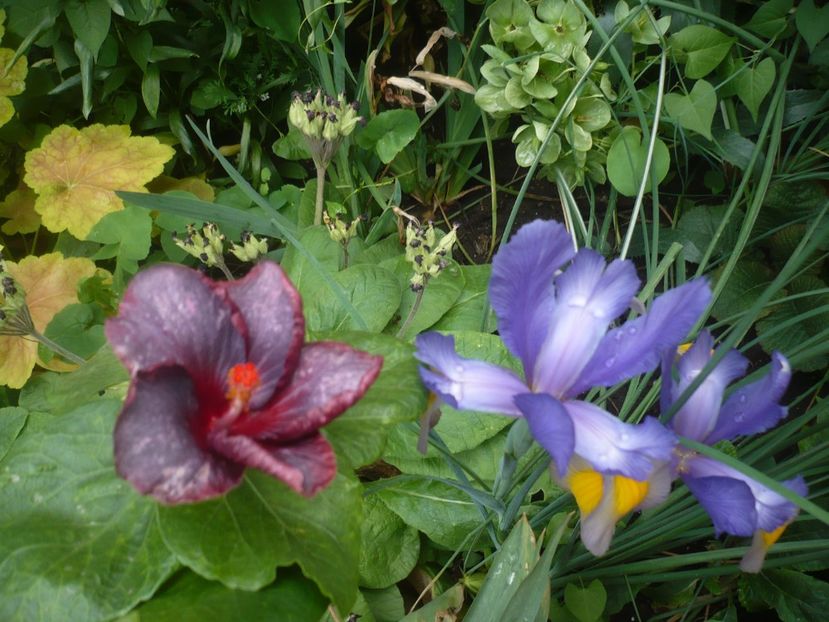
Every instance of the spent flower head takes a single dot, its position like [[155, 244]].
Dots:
[[324, 121], [250, 249], [14, 314], [428, 255], [206, 245]]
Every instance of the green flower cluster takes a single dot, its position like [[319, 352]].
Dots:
[[428, 255], [207, 246], [538, 58], [14, 314], [324, 121]]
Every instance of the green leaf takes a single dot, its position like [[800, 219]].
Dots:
[[101, 378], [626, 161], [701, 48], [440, 294], [694, 111], [89, 20], [471, 310], [697, 226], [190, 598], [127, 235], [770, 18], [386, 605], [12, 420], [390, 547], [445, 514], [151, 89], [795, 596], [754, 83], [747, 282], [283, 19], [76, 543], [511, 565], [389, 132], [241, 538], [798, 329], [79, 328], [374, 291], [812, 22], [359, 434], [302, 273], [440, 608], [587, 603]]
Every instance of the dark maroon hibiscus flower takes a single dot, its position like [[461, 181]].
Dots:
[[221, 379]]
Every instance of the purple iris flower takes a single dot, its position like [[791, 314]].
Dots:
[[737, 504], [556, 320], [222, 379]]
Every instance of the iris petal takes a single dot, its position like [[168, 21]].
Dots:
[[466, 383], [521, 288], [614, 447], [589, 296], [636, 346], [329, 378], [728, 501], [272, 312], [698, 415], [170, 316], [155, 449], [550, 425], [754, 408]]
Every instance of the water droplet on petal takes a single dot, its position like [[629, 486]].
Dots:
[[742, 399], [625, 436], [632, 330], [610, 362], [458, 369]]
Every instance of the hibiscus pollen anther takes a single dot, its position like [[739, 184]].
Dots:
[[242, 379]]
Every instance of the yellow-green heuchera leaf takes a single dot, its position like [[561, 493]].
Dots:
[[75, 173], [12, 78]]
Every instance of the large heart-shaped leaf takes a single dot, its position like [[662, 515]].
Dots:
[[701, 48], [694, 111], [754, 83], [626, 161]]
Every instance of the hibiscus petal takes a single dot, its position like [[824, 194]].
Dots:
[[170, 316], [154, 445], [466, 383], [521, 288], [550, 425], [698, 415], [615, 447], [635, 347], [589, 296], [307, 465], [329, 378], [729, 503], [754, 408], [272, 312]]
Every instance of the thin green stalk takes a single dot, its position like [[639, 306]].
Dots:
[[320, 198], [57, 348], [413, 311]]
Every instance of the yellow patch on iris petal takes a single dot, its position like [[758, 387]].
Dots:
[[627, 494], [587, 487], [684, 347], [770, 537]]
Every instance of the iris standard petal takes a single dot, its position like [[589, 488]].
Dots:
[[612, 446], [636, 346], [466, 383], [275, 328], [754, 408], [155, 447], [170, 316], [550, 425], [698, 415], [329, 377], [589, 296], [521, 288], [306, 466]]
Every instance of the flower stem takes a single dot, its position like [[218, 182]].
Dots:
[[413, 311], [345, 254], [320, 194], [57, 348], [223, 267]]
